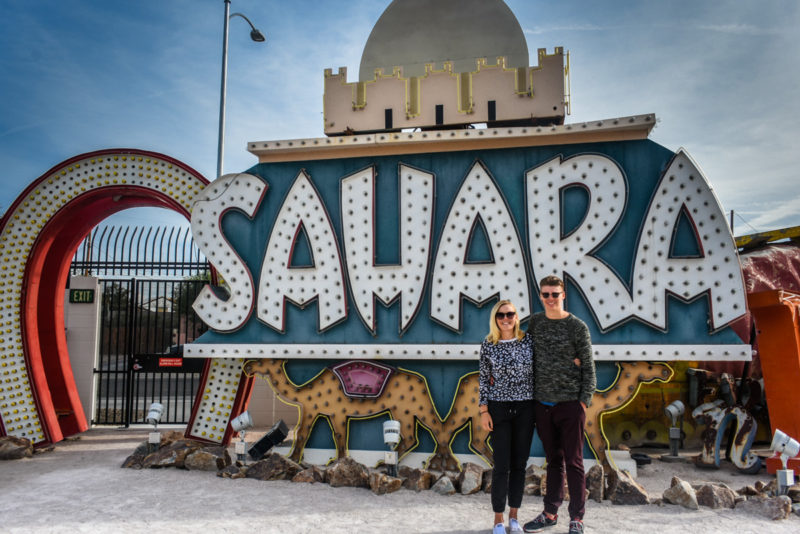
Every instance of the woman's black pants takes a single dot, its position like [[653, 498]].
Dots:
[[513, 424]]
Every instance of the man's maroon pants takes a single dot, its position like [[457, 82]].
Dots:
[[560, 428]]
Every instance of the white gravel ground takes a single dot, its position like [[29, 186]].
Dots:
[[79, 487]]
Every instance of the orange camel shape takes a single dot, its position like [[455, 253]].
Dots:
[[405, 398], [630, 377]]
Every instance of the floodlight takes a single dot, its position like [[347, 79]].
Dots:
[[786, 447], [391, 437], [391, 432], [674, 411], [154, 413], [274, 436], [242, 422], [153, 417]]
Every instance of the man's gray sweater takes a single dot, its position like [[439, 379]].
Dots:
[[556, 343]]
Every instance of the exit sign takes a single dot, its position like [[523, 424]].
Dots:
[[81, 296]]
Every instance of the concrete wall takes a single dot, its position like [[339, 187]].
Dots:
[[82, 323]]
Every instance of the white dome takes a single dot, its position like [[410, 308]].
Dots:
[[411, 33]]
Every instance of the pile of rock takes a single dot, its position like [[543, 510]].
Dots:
[[175, 451], [346, 472], [616, 486], [759, 499]]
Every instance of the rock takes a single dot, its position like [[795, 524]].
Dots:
[[747, 491], [534, 475], [595, 482], [771, 488], [170, 436], [455, 479], [487, 481], [208, 459], [347, 472], [230, 471], [14, 448], [716, 496], [310, 475], [794, 492], [444, 486], [470, 479], [530, 489], [759, 486], [623, 489], [173, 454], [770, 507], [682, 493], [415, 479], [381, 483], [142, 449], [274, 467], [134, 461]]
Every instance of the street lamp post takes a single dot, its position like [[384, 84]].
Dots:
[[256, 36]]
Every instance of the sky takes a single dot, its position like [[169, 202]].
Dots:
[[722, 77]]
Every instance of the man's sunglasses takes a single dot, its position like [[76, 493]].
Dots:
[[505, 315], [554, 294]]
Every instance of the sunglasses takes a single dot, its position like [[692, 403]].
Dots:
[[554, 294], [505, 315]]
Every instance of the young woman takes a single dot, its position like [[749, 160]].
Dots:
[[506, 407]]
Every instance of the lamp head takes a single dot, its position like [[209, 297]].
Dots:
[[257, 36], [391, 432], [674, 410], [242, 422], [784, 445], [154, 413]]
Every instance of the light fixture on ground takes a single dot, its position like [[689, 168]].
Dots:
[[786, 447], [273, 437], [674, 411], [240, 424], [154, 414], [256, 36], [391, 437]]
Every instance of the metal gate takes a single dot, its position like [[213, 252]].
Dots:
[[146, 318]]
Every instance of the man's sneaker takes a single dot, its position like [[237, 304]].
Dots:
[[540, 523], [499, 528], [576, 526], [514, 526]]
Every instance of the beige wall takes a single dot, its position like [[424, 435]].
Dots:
[[266, 409]]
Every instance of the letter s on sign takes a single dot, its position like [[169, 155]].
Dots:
[[242, 192]]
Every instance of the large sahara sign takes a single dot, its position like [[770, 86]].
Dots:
[[396, 256]]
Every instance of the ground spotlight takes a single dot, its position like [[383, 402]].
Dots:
[[391, 437], [240, 424], [154, 414], [674, 411], [786, 447]]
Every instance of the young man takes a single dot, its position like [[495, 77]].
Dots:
[[564, 382]]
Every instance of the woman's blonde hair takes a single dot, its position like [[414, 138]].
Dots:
[[494, 332]]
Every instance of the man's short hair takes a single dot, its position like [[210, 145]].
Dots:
[[551, 280]]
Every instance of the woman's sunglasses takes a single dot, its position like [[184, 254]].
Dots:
[[505, 315]]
